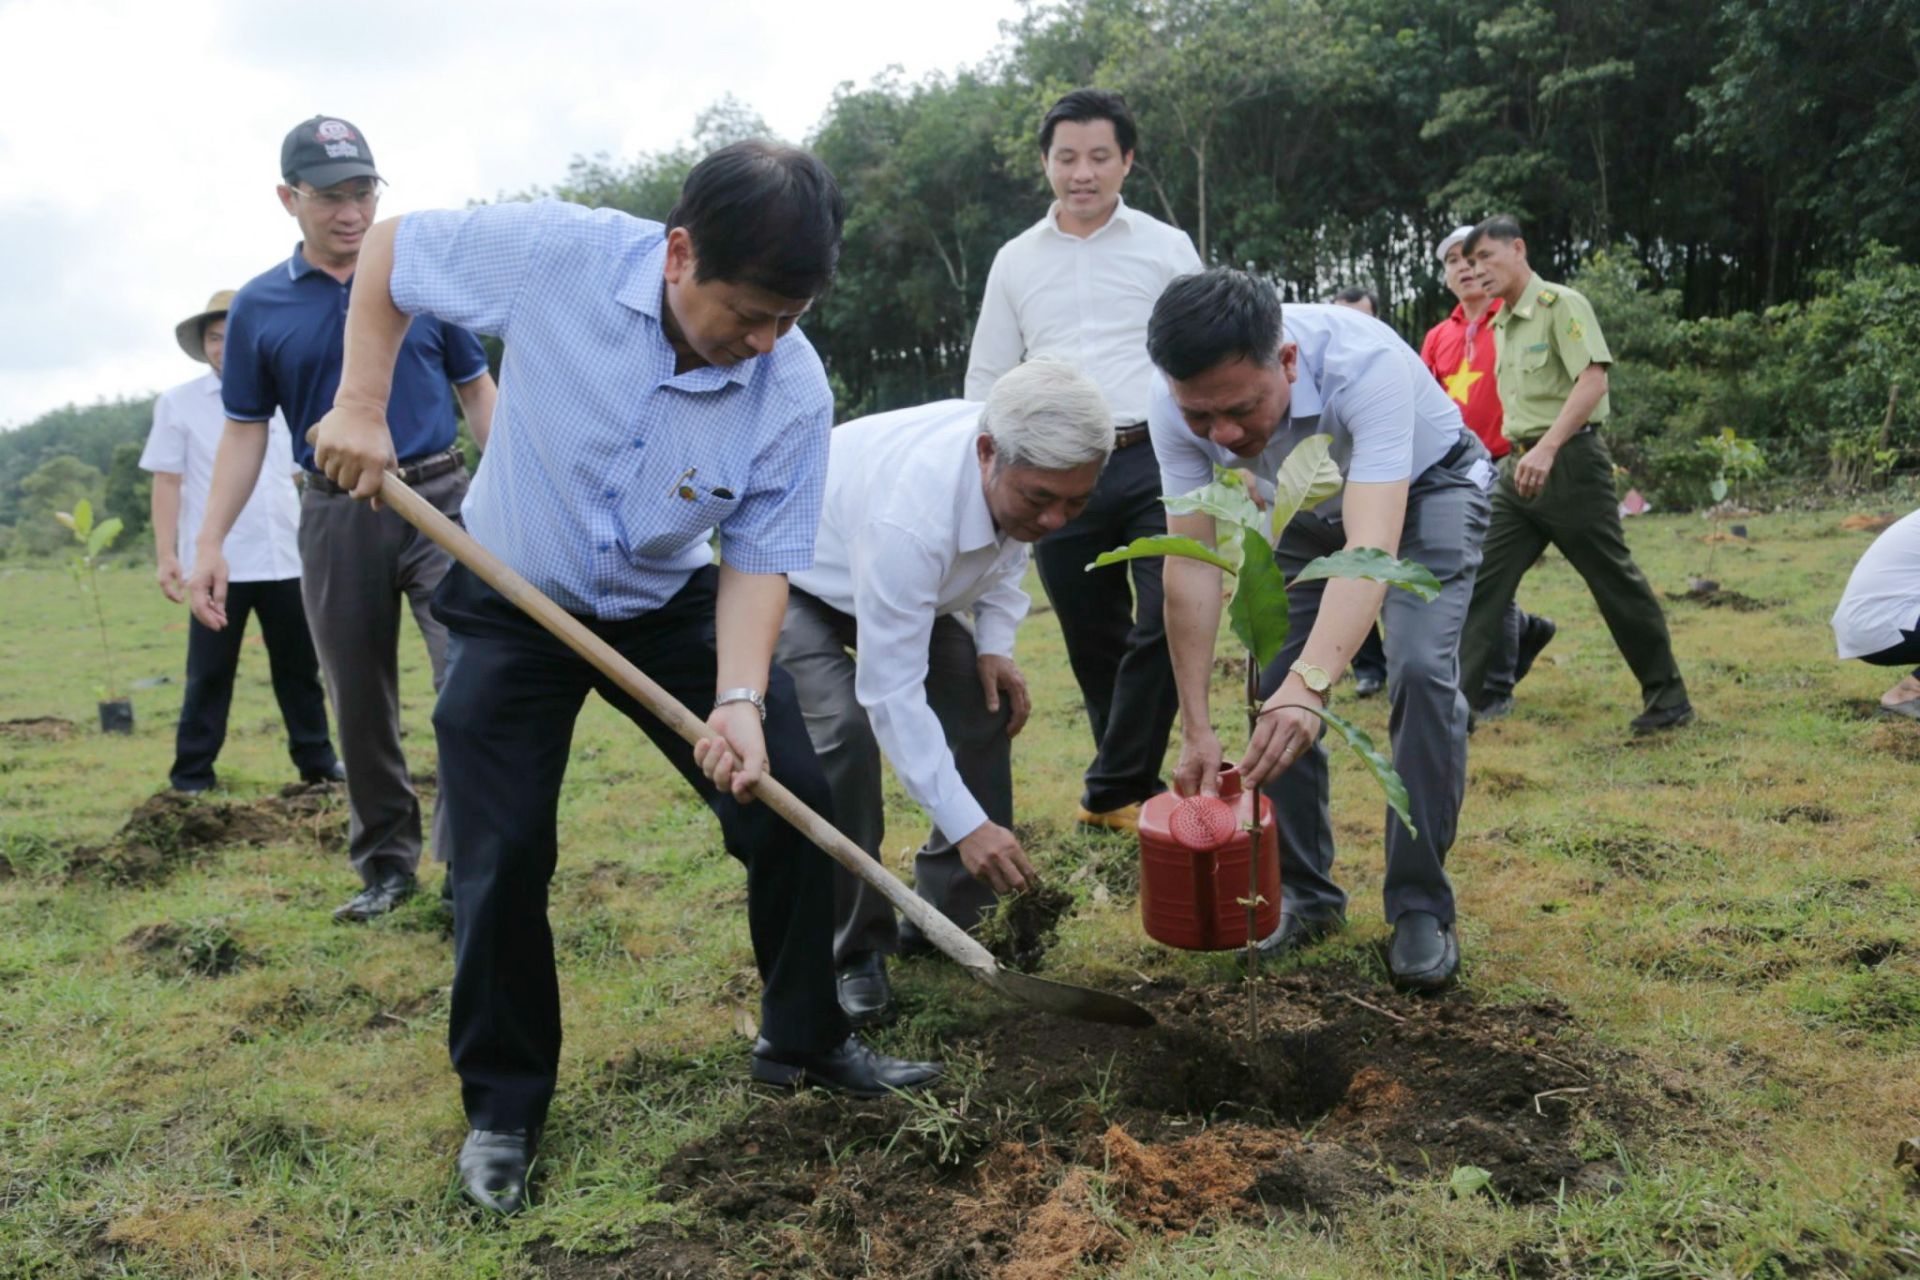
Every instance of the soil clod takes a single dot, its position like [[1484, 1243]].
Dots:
[[38, 729], [169, 829], [1024, 926]]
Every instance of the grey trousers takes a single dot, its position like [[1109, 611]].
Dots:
[[1447, 514], [356, 565], [816, 649]]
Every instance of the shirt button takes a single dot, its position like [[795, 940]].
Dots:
[[638, 444], [606, 546], [611, 494]]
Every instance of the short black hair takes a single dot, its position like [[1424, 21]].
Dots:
[[1083, 105], [763, 214], [1501, 226], [1211, 318], [1359, 293]]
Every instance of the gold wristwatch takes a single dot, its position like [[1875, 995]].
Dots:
[[1315, 678]]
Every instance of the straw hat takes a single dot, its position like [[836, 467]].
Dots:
[[188, 331]]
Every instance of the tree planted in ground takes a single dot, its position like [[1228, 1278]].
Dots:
[[1244, 538], [94, 540]]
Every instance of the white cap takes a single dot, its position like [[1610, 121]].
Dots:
[[1451, 239]]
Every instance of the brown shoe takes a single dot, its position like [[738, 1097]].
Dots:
[[1124, 819]]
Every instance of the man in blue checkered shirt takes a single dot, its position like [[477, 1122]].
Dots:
[[653, 390]]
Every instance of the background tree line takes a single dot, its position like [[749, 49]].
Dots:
[[1729, 179]]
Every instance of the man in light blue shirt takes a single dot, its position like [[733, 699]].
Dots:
[[1242, 389], [653, 391]]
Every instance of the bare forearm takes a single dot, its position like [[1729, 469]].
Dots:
[[236, 469], [476, 402], [1348, 611], [1588, 390], [746, 619], [375, 327], [165, 512], [1193, 628]]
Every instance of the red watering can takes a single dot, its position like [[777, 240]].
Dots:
[[1201, 859]]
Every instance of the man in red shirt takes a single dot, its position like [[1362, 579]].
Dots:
[[1459, 350]]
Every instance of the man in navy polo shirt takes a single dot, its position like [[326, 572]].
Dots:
[[654, 390], [284, 336]]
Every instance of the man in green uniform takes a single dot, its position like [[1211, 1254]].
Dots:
[[1557, 484]]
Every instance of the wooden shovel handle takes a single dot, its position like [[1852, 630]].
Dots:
[[608, 661]]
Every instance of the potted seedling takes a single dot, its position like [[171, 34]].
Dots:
[[1244, 536], [1735, 461], [116, 712]]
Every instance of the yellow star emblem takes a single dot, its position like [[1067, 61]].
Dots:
[[1459, 383]]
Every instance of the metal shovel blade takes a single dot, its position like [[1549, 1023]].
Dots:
[[1085, 1003]]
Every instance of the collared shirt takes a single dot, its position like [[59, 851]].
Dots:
[[1882, 599], [284, 337], [264, 544], [606, 471], [1546, 340], [1356, 381], [906, 537], [1082, 299], [1461, 352]]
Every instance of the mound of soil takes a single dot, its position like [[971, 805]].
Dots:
[[1075, 1140], [1024, 926], [1710, 595], [38, 729], [169, 828], [1864, 523], [205, 949]]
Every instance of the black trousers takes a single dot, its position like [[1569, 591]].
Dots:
[[214, 656], [1903, 654], [504, 722], [1116, 638]]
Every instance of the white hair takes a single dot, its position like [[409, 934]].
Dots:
[[1047, 414]]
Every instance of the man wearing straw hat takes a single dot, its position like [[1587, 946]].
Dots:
[[263, 555]]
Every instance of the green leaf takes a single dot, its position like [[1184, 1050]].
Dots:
[[1374, 565], [1258, 610], [103, 535], [1469, 1178], [1165, 544], [1227, 498], [83, 517], [65, 519], [1307, 478], [1381, 767], [1718, 489]]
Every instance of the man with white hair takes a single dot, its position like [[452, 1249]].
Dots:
[[917, 568]]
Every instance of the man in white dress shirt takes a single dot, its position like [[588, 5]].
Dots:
[[264, 552], [1243, 389], [1078, 286], [917, 569]]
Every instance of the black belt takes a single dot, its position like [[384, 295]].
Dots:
[[1125, 437], [427, 467]]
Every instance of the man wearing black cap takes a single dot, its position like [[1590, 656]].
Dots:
[[284, 338]]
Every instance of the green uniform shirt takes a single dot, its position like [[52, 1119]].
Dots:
[[1543, 343]]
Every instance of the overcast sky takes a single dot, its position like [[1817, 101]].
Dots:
[[140, 139]]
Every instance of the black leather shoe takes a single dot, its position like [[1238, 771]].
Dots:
[[1369, 682], [378, 898], [1498, 707], [1296, 932], [1663, 719], [1424, 955], [866, 997], [494, 1165], [335, 772], [1535, 633], [853, 1069]]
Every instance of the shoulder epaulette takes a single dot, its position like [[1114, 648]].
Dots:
[[1547, 297]]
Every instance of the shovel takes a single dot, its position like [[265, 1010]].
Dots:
[[954, 942]]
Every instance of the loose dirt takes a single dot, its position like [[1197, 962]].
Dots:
[[170, 829], [1071, 1141], [38, 729], [1024, 926], [1710, 595]]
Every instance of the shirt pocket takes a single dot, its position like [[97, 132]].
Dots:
[[1534, 358], [667, 525]]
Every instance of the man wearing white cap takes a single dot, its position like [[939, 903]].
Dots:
[[1460, 353], [263, 553]]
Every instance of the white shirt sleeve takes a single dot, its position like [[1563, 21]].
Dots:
[[896, 581], [998, 611], [166, 449], [1378, 409], [997, 342], [1184, 462]]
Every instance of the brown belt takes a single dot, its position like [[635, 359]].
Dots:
[[429, 467], [1128, 436]]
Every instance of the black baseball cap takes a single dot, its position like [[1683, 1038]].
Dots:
[[323, 151]]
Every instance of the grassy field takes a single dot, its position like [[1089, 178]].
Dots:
[[202, 1075]]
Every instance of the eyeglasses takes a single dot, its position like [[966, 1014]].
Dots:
[[331, 199]]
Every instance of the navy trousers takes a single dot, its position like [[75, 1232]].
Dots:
[[504, 723]]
